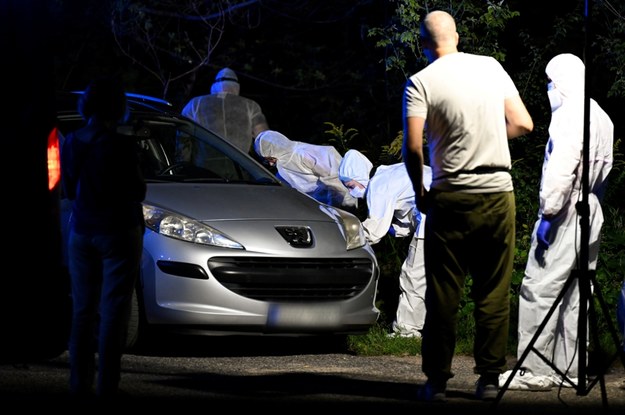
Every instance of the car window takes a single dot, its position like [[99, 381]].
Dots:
[[176, 150]]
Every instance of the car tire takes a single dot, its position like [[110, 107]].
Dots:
[[135, 322]]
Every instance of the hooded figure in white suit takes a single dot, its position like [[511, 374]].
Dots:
[[555, 245], [236, 118], [391, 209], [310, 168]]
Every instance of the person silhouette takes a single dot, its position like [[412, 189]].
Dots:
[[391, 210], [470, 207], [101, 176]]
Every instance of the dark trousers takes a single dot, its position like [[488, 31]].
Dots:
[[468, 235], [103, 269]]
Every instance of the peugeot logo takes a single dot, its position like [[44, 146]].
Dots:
[[296, 236]]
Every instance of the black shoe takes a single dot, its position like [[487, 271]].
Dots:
[[487, 388], [432, 392]]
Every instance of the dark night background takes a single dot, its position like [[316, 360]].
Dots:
[[305, 62]]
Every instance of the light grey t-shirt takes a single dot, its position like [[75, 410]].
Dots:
[[461, 96]]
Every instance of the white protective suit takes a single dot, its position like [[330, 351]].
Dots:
[[237, 119], [547, 270], [391, 208], [309, 168]]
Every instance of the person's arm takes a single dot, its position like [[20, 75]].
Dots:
[[381, 210], [518, 119], [412, 152]]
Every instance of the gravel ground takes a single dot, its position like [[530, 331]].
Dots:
[[291, 376]]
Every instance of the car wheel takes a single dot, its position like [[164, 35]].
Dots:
[[134, 329]]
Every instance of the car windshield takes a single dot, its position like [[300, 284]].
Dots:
[[178, 150], [175, 149]]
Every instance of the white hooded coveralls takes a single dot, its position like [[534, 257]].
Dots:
[[391, 204], [310, 168], [548, 270], [236, 118]]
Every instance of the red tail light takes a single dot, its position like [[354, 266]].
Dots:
[[54, 159]]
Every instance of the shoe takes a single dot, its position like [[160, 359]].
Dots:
[[487, 388], [432, 392], [524, 380]]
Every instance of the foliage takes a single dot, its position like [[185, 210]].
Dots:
[[341, 138], [170, 40], [392, 153], [377, 342], [399, 37], [611, 45], [479, 30]]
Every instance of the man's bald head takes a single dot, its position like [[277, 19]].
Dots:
[[438, 34], [440, 27]]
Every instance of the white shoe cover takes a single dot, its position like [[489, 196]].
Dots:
[[405, 334], [524, 380]]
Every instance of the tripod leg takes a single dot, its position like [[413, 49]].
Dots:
[[613, 333], [530, 346]]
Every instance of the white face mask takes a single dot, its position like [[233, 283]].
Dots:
[[555, 98], [357, 192]]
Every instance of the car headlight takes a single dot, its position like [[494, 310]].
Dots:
[[183, 228], [350, 225]]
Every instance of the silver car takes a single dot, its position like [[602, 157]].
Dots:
[[228, 248]]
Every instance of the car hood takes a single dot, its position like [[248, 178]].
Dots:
[[219, 202]]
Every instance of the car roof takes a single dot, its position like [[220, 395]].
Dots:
[[67, 102]]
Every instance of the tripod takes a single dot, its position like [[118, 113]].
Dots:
[[587, 313], [585, 278]]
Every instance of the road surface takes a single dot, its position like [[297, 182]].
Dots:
[[287, 374]]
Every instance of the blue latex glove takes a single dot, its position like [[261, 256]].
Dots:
[[542, 233]]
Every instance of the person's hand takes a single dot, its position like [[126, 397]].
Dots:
[[422, 201], [542, 233]]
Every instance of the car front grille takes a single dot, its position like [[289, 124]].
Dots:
[[293, 280]]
